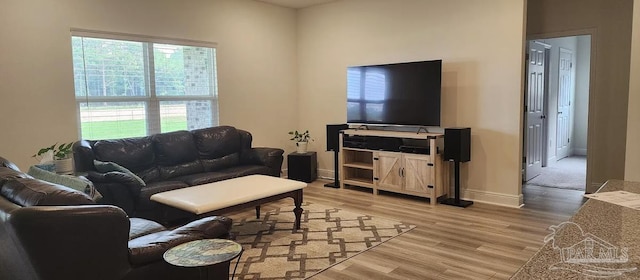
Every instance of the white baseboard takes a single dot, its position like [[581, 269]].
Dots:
[[579, 152], [514, 201], [326, 174]]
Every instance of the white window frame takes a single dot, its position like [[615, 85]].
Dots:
[[151, 99]]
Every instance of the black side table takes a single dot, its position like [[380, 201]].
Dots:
[[303, 166]]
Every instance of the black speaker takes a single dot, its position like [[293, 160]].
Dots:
[[457, 144], [303, 166], [333, 135]]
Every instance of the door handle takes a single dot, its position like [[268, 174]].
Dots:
[[543, 117], [559, 113]]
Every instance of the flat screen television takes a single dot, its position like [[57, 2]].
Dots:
[[395, 94]]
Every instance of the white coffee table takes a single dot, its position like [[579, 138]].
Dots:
[[234, 194]]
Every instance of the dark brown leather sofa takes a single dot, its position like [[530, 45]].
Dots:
[[170, 161], [49, 231]]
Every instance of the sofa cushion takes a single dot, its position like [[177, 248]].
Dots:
[[216, 142], [140, 227], [204, 178], [135, 154], [177, 154], [149, 175], [151, 247], [227, 161], [173, 148], [33, 192], [168, 172]]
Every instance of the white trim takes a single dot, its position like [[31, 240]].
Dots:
[[580, 151], [326, 174], [139, 38], [514, 201]]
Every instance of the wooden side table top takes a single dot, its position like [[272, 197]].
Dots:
[[205, 252]]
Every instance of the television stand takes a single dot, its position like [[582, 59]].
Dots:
[[362, 127], [412, 172], [422, 128]]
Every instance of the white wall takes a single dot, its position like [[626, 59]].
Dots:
[[257, 65], [632, 159], [581, 113], [481, 45]]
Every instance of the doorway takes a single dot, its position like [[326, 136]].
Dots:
[[556, 154]]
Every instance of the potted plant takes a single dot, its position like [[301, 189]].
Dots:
[[301, 139], [60, 154]]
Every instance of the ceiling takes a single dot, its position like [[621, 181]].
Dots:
[[297, 4]]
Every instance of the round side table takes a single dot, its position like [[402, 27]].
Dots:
[[204, 254]]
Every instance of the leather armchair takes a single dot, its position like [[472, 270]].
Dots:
[[49, 231], [96, 242]]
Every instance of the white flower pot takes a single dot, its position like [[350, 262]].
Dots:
[[301, 147], [64, 166]]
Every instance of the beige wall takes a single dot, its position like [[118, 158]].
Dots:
[[257, 66], [609, 22], [481, 45], [632, 166]]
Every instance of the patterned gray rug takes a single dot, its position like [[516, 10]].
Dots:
[[328, 236]]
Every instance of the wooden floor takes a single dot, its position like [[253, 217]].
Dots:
[[480, 242]]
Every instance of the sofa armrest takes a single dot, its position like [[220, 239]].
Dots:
[[117, 188], [150, 248], [83, 156], [269, 157], [73, 242]]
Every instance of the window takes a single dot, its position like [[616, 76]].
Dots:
[[135, 87]]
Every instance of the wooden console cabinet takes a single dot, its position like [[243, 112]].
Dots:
[[415, 174]]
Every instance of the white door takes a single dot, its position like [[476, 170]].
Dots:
[[565, 86], [534, 110]]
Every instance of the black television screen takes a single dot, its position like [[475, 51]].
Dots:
[[395, 94]]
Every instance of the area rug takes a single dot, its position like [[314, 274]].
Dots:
[[327, 236]]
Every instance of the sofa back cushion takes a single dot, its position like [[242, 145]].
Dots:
[[135, 154], [176, 154], [217, 142], [33, 192]]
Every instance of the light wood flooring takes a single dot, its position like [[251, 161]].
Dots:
[[480, 242]]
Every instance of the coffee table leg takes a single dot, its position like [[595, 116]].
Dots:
[[258, 212], [297, 200]]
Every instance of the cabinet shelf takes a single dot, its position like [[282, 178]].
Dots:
[[361, 165], [358, 182]]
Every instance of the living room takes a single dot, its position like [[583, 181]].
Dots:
[[290, 64]]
